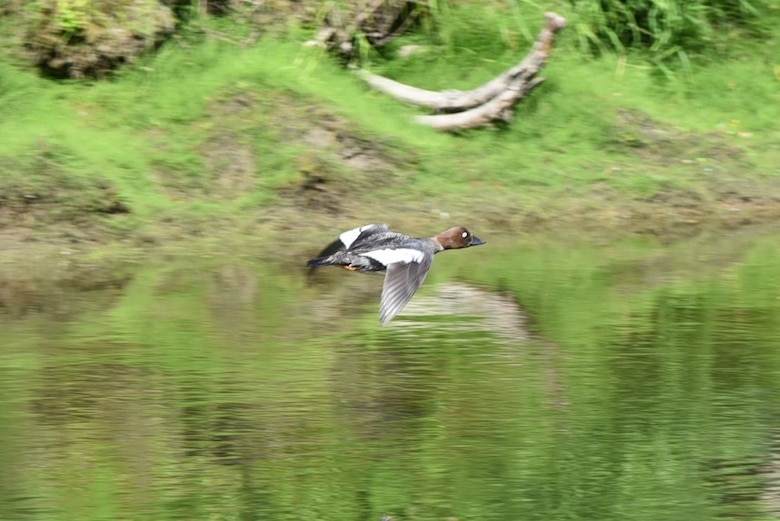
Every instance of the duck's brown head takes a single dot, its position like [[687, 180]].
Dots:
[[457, 237]]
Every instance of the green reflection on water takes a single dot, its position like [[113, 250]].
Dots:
[[644, 385]]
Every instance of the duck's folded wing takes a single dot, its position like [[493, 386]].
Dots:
[[354, 237], [331, 248], [347, 238], [401, 282]]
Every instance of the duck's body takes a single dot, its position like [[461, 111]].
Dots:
[[406, 259]]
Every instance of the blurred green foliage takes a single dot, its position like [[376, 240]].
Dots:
[[667, 27]]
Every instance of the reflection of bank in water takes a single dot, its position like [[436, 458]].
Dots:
[[483, 310], [771, 473], [464, 309], [747, 486]]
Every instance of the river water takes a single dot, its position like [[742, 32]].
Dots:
[[529, 379]]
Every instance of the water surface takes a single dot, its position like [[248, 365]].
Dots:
[[536, 380]]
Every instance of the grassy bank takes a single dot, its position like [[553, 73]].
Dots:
[[208, 138]]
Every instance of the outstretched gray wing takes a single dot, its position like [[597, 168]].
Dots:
[[401, 282]]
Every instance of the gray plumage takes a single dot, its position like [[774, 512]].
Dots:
[[374, 247]]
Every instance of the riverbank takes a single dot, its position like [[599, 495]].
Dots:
[[210, 143]]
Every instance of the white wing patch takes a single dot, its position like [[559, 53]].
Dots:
[[392, 256], [349, 236]]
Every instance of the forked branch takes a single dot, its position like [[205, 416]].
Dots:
[[490, 102]]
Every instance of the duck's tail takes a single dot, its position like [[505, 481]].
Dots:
[[313, 264], [320, 261]]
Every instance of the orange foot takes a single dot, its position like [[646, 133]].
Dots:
[[350, 268]]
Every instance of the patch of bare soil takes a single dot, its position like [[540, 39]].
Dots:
[[42, 200], [336, 162], [663, 144], [725, 189], [333, 160]]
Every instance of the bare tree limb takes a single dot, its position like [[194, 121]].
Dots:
[[458, 101], [497, 109]]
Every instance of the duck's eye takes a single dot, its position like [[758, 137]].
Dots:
[[464, 234]]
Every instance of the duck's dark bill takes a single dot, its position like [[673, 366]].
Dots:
[[476, 241]]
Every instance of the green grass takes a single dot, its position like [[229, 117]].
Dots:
[[150, 133], [669, 31]]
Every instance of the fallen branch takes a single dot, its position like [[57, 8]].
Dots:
[[491, 102], [497, 109]]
